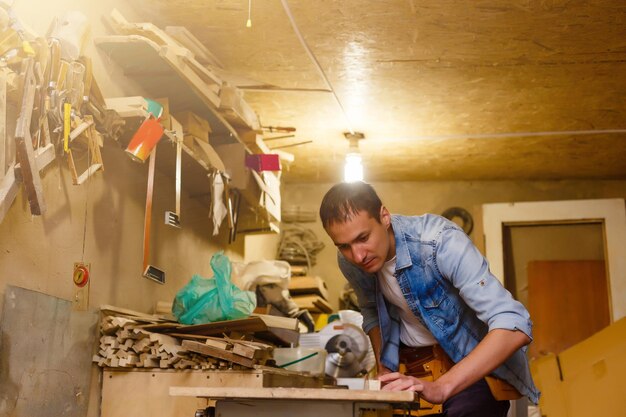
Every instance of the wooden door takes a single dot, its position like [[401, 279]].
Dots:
[[568, 301]]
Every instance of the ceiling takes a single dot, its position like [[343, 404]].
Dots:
[[442, 89]]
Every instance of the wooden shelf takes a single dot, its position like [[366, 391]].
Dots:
[[163, 74]]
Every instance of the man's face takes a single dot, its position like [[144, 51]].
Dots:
[[364, 241]]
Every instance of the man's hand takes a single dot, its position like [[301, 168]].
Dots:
[[432, 392], [383, 371], [494, 349]]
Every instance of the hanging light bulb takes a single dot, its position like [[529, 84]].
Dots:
[[249, 22], [353, 169]]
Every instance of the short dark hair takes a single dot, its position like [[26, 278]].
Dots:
[[346, 199]]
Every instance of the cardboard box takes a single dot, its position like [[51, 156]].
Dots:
[[263, 162], [234, 158], [591, 369], [194, 125]]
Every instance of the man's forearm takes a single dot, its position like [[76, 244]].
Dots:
[[491, 352], [376, 340]]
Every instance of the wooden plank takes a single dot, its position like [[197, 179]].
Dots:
[[9, 186], [218, 343], [136, 315], [160, 325], [280, 337], [278, 321], [43, 157], [251, 324], [251, 351], [250, 343], [210, 154], [217, 353], [189, 41], [170, 77], [8, 192], [148, 30], [135, 106], [311, 394], [24, 145]]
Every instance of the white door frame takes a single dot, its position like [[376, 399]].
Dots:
[[611, 212]]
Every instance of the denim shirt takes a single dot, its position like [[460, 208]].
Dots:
[[447, 284]]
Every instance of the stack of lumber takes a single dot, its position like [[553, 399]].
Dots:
[[126, 342], [310, 293]]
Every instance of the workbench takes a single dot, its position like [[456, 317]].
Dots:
[[303, 402], [136, 391]]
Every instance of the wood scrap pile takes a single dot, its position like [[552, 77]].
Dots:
[[126, 343]]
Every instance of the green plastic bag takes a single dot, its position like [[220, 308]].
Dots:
[[204, 300]]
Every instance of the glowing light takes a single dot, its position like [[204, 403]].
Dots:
[[353, 170]]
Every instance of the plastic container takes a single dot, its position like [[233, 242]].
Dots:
[[301, 359]]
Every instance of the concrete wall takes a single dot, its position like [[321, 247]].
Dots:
[[434, 197]]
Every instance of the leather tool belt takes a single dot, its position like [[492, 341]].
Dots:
[[430, 362]]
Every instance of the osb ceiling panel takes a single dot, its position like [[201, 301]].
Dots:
[[441, 89]]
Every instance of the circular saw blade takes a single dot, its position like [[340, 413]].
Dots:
[[347, 348]]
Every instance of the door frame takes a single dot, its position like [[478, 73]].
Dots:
[[611, 212]]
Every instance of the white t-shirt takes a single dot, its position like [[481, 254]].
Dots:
[[412, 332]]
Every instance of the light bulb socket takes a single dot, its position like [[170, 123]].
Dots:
[[353, 140]]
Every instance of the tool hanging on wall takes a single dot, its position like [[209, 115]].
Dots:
[[150, 271], [88, 133], [173, 218], [232, 198], [235, 203], [148, 135], [219, 209], [78, 84], [53, 88]]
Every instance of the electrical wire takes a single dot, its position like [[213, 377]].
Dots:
[[249, 21], [298, 245], [316, 62], [82, 259]]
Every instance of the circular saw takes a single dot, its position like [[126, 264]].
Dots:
[[348, 347]]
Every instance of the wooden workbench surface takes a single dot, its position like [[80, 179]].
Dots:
[[326, 394]]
